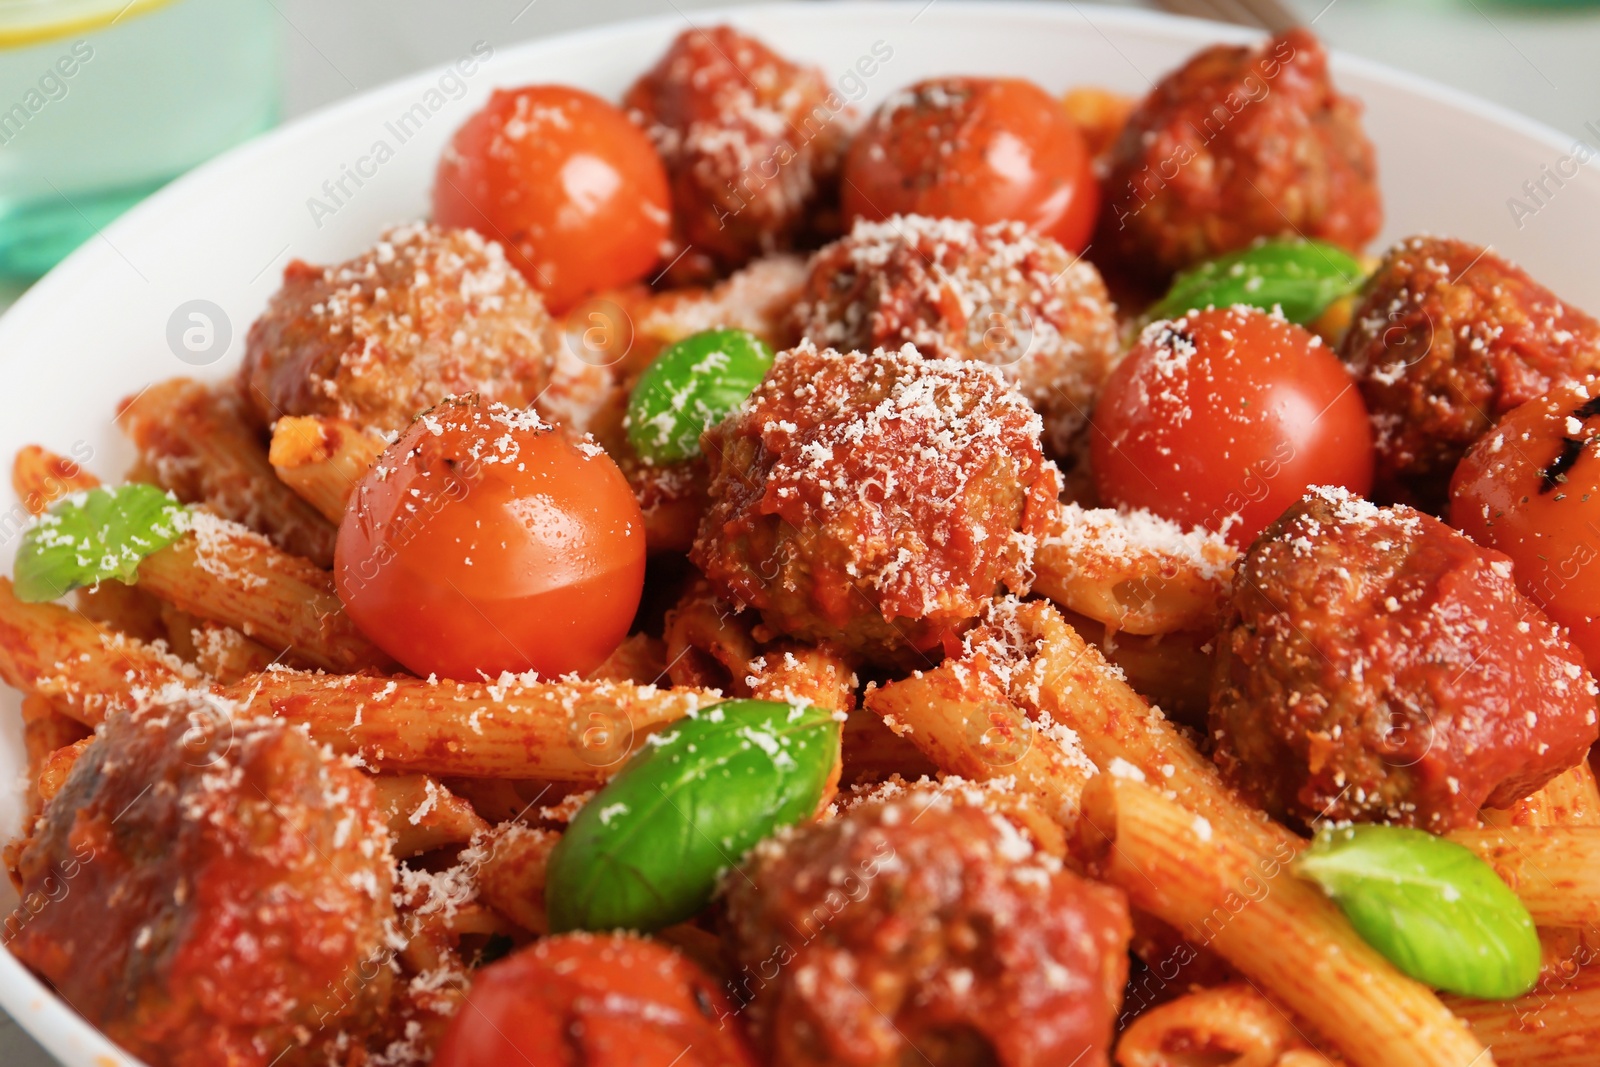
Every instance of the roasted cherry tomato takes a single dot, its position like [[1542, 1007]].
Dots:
[[1531, 488], [582, 1000], [985, 149], [1223, 418], [485, 540], [571, 187]]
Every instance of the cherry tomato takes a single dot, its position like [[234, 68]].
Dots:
[[571, 187], [582, 1000], [984, 149], [1531, 488], [484, 540], [1223, 418]]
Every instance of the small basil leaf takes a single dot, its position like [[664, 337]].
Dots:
[[1430, 906], [647, 850], [94, 535], [1300, 277], [692, 384]]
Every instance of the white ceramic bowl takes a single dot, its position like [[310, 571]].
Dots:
[[96, 329]]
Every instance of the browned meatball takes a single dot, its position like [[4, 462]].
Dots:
[[923, 928], [424, 314], [876, 502], [214, 893], [1239, 143], [750, 140], [1379, 666], [997, 294], [1447, 338]]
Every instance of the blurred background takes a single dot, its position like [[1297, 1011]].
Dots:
[[104, 101]]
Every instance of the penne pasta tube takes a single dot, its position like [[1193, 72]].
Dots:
[[321, 458], [1231, 1024], [1569, 799], [1555, 870], [41, 477], [85, 670], [510, 861], [962, 719], [1066, 681], [228, 574], [1278, 931], [560, 731], [1133, 571], [1557, 1026], [422, 814], [197, 442]]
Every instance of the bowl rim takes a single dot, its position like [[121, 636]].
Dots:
[[43, 1013]]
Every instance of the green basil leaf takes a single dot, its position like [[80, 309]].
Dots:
[[1300, 277], [1430, 906], [94, 535], [647, 850], [691, 385]]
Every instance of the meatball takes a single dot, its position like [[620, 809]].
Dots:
[[219, 891], [1447, 338], [426, 313], [922, 928], [750, 140], [955, 290], [1239, 143], [1378, 666], [875, 502]]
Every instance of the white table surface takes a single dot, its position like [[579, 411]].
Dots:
[[1542, 62]]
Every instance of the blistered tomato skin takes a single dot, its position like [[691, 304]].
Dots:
[[982, 149], [581, 1000], [1223, 418], [573, 189], [1531, 488], [485, 540]]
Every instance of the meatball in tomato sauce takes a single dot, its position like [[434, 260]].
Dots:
[[1380, 667], [874, 502], [424, 314], [996, 294], [219, 891], [921, 927], [1446, 339], [1239, 143], [751, 142]]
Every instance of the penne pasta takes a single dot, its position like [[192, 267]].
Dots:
[[1232, 1024], [1555, 870], [509, 861], [45, 731], [961, 718], [1133, 571], [320, 459], [41, 477], [228, 574], [196, 442], [1238, 900], [424, 815], [1554, 1026], [84, 669], [560, 731], [1569, 799], [1066, 681]]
